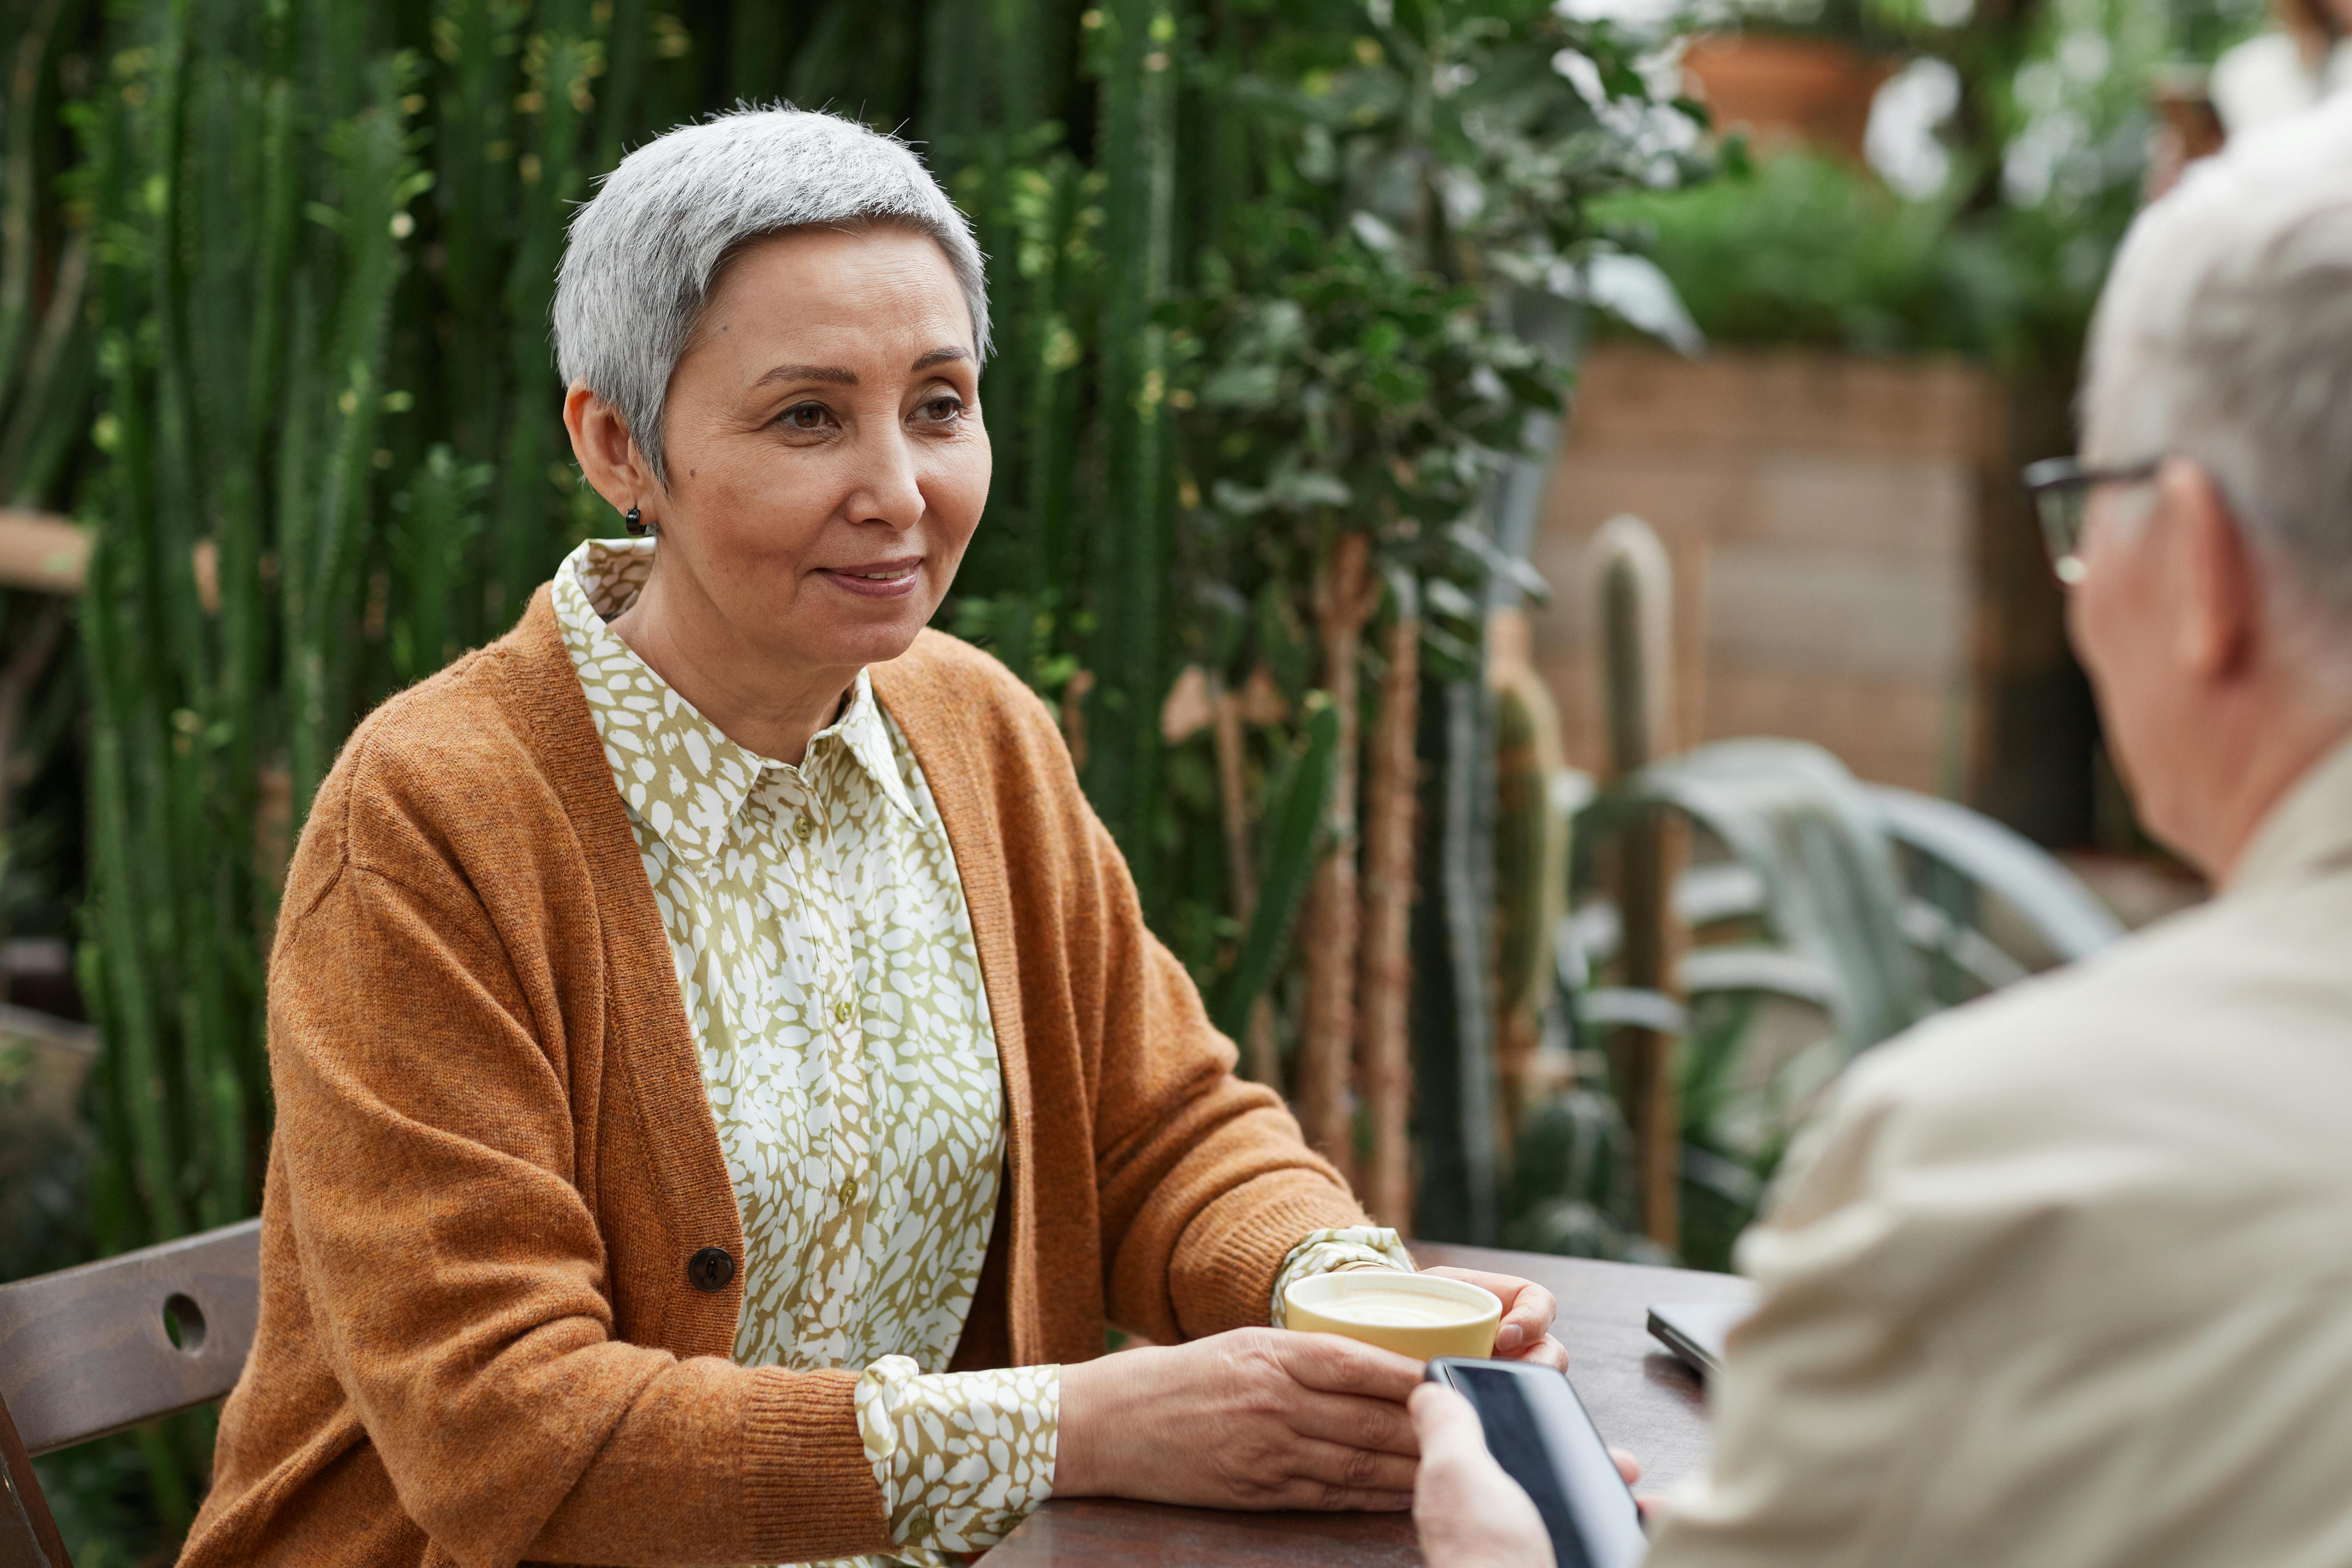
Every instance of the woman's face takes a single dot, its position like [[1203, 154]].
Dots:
[[827, 463]]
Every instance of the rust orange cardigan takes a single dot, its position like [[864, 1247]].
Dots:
[[480, 1338]]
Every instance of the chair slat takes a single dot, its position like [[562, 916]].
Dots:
[[84, 1352]]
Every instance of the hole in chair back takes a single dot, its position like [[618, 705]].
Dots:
[[184, 1323]]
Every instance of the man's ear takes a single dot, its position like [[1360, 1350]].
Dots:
[[2216, 582], [608, 455]]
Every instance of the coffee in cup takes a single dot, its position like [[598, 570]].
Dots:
[[1419, 1315]]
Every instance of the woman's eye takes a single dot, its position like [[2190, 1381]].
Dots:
[[805, 417], [941, 410]]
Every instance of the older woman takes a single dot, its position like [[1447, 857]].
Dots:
[[725, 1085]]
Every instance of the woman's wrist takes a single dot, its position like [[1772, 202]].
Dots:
[[1074, 1440], [1092, 1392]]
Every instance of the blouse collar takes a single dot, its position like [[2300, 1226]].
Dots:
[[678, 772]]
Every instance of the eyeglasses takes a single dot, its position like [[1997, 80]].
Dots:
[[2061, 489]]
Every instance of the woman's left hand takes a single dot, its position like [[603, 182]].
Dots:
[[1527, 1312]]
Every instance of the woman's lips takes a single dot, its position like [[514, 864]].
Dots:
[[893, 580]]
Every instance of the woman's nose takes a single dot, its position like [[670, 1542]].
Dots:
[[888, 488]]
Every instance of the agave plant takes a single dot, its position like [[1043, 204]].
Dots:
[[1810, 895]]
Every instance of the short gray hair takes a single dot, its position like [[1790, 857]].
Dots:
[[2225, 335], [643, 255]]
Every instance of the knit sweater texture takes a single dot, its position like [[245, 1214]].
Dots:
[[488, 1330]]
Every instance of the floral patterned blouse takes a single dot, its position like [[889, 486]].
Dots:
[[825, 958]]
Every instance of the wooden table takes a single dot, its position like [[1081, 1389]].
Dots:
[[1641, 1398]]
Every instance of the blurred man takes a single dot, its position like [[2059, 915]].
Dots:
[[2065, 1278]]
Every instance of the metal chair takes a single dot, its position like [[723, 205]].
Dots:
[[91, 1350]]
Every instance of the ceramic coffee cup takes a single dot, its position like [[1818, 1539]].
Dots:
[[1419, 1315]]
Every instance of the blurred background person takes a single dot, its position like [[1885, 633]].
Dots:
[[2059, 1277]]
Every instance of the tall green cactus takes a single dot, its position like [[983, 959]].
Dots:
[[1139, 51], [1635, 606]]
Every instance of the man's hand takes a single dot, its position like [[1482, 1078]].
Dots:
[[1524, 1333], [1468, 1512], [1257, 1418]]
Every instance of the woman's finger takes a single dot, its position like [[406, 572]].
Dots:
[[1627, 1464], [1528, 1308], [1334, 1365], [1342, 1468], [1544, 1351], [1379, 1425], [1528, 1320]]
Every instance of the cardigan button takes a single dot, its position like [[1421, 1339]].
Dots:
[[711, 1269]]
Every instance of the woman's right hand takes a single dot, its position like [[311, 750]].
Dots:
[[1257, 1418]]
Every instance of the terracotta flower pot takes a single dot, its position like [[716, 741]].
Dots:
[[1787, 91]]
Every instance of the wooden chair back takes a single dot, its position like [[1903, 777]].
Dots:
[[89, 1350]]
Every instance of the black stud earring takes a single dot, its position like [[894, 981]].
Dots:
[[637, 524]]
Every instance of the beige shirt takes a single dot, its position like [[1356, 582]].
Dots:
[[2065, 1277]]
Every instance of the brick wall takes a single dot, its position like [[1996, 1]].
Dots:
[[1854, 565]]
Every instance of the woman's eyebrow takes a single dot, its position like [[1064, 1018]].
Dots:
[[831, 373], [940, 356]]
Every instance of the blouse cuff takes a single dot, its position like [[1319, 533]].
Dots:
[[961, 1456], [1334, 1252]]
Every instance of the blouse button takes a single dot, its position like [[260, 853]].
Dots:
[[919, 1524], [841, 1012], [711, 1269], [801, 828], [849, 1192]]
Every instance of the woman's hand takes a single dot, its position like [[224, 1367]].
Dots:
[[1524, 1333], [1257, 1418]]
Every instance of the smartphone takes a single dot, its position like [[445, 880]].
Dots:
[[1537, 1430]]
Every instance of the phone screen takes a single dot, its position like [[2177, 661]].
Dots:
[[1538, 1432]]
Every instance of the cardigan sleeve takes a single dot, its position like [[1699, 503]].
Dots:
[[457, 1278]]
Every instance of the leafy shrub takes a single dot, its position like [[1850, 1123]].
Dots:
[[1807, 249]]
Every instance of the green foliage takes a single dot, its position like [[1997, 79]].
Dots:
[[270, 273], [1294, 802], [1352, 386], [1806, 248], [1384, 251]]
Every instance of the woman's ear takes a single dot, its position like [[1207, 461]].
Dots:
[[608, 455]]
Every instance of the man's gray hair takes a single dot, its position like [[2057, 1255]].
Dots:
[[2225, 335], [643, 254]]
